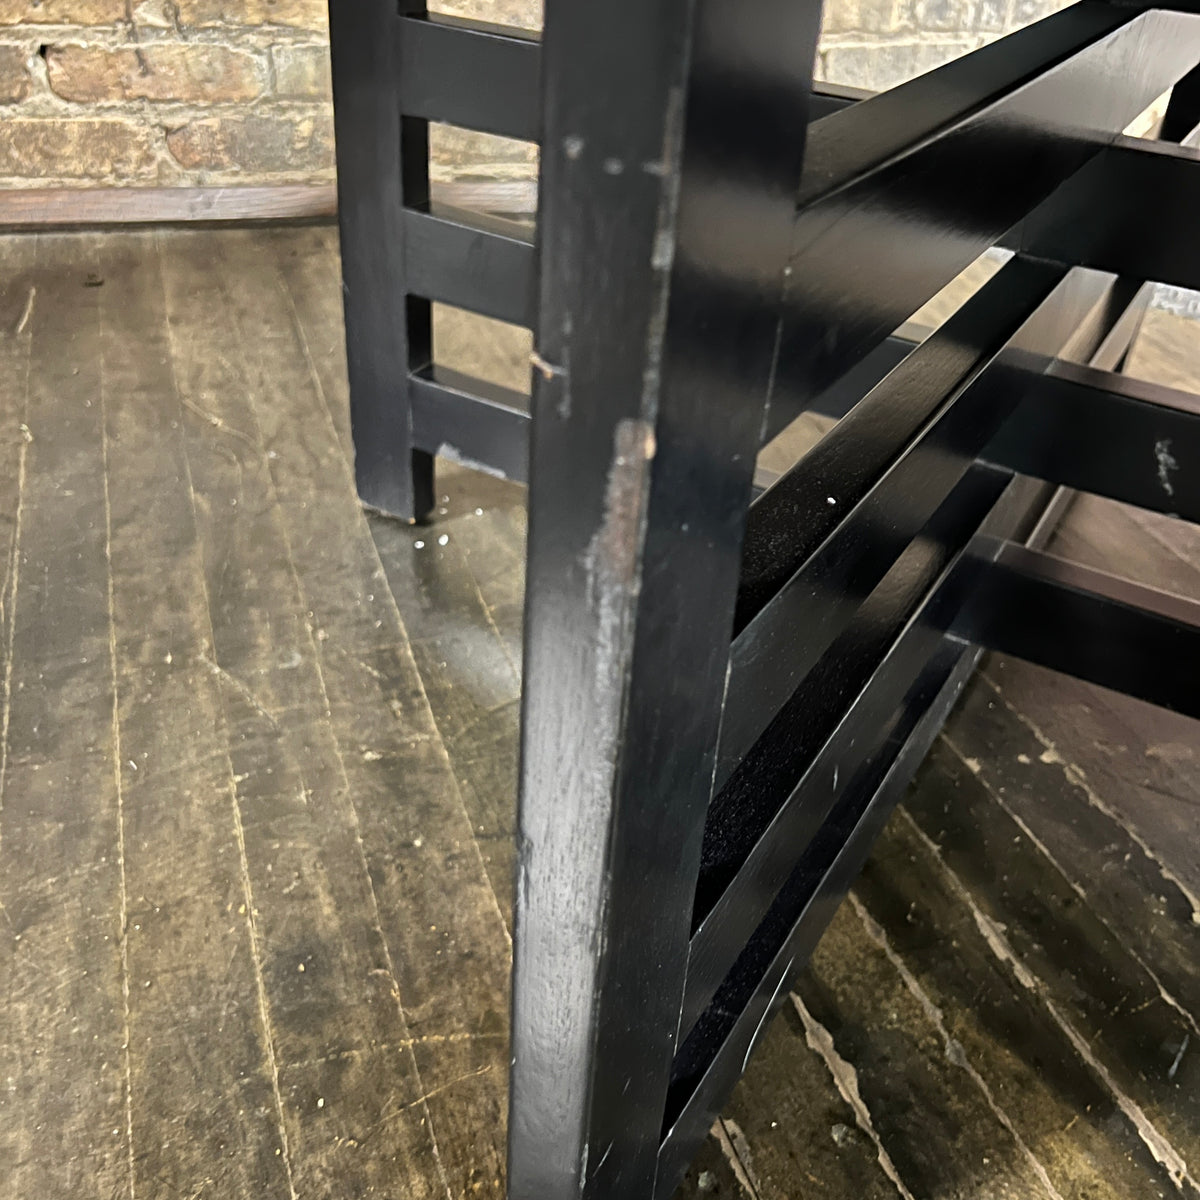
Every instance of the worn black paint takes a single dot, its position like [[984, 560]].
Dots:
[[1083, 622], [383, 163], [636, 261], [438, 52], [723, 699]]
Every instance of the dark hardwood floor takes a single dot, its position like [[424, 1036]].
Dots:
[[257, 789]]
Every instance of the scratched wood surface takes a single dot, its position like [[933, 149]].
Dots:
[[257, 785]]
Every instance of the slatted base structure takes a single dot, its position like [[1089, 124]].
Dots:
[[729, 679]]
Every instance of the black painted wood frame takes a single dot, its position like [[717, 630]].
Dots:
[[728, 683]]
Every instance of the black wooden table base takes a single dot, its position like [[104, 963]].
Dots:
[[728, 681]]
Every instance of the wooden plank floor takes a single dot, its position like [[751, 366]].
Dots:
[[257, 787]]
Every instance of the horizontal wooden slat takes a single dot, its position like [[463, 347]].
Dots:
[[813, 894], [503, 63], [1131, 211], [822, 539], [48, 208], [715, 1053], [1110, 434], [483, 264], [868, 669], [1083, 622], [828, 98], [471, 421], [838, 399], [83, 208], [471, 73], [811, 501], [956, 158]]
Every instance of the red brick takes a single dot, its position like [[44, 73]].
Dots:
[[79, 149], [301, 72], [300, 14], [61, 12], [300, 145], [14, 75], [197, 72], [526, 14]]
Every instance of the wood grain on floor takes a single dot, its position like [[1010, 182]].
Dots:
[[258, 760]]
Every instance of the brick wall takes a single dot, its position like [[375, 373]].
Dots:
[[879, 43], [196, 92], [159, 92]]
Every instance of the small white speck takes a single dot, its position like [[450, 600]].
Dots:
[[573, 146], [320, 1101], [444, 540], [418, 545], [418, 842], [133, 764], [479, 512], [300, 967], [831, 501]]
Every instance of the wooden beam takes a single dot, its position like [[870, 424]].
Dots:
[[83, 208]]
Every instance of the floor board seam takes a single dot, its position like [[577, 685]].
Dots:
[[728, 1135], [845, 1078], [1158, 1144], [264, 1010], [8, 600], [954, 1050], [1076, 776], [318, 661], [118, 772], [297, 327], [1075, 887]]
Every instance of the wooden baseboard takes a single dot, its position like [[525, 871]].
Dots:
[[87, 208], [82, 208]]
